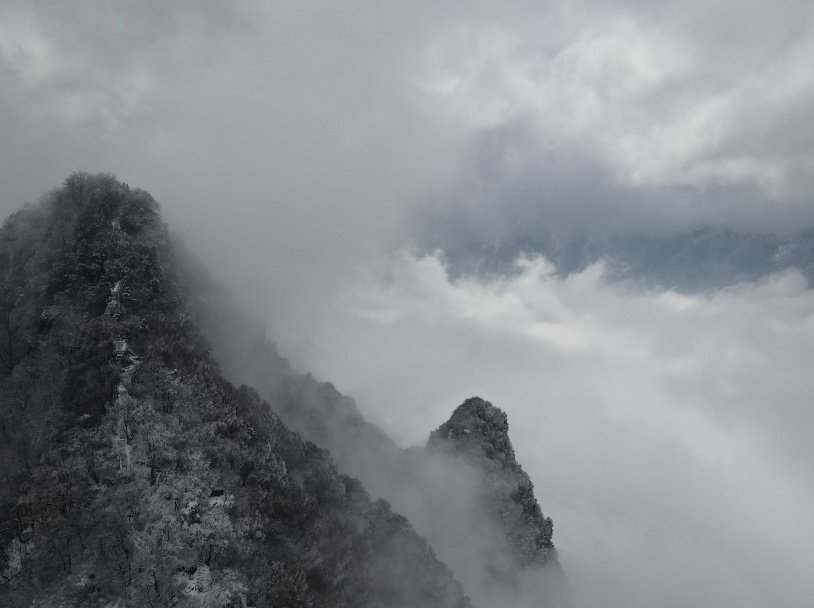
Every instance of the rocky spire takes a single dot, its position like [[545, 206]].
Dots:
[[479, 429], [478, 432]]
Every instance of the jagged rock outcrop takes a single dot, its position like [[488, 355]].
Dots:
[[478, 432], [470, 499], [481, 519], [132, 473]]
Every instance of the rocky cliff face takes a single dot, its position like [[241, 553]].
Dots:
[[132, 473], [464, 492], [478, 433], [516, 564]]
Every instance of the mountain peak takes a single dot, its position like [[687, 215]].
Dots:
[[477, 428], [478, 432], [132, 472]]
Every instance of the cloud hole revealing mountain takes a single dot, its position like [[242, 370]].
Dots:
[[135, 474]]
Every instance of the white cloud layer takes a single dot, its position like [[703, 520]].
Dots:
[[640, 93], [667, 434]]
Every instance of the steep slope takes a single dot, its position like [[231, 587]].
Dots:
[[315, 409], [478, 433], [132, 472], [518, 565], [479, 514]]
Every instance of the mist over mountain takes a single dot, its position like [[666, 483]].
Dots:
[[475, 506], [593, 215], [133, 472], [647, 417]]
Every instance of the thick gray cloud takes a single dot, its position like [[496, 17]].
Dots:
[[330, 126], [644, 120], [293, 142]]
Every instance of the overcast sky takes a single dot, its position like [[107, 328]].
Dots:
[[303, 149]]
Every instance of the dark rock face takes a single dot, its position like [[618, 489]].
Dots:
[[132, 473], [479, 433], [464, 492], [519, 565], [479, 430]]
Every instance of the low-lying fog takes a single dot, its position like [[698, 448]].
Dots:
[[668, 435]]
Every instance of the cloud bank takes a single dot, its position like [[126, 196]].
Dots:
[[667, 434], [330, 133]]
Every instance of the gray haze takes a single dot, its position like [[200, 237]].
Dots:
[[305, 149]]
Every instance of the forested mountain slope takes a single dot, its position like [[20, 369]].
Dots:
[[464, 491], [132, 472]]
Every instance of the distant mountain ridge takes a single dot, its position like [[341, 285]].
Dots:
[[707, 258]]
